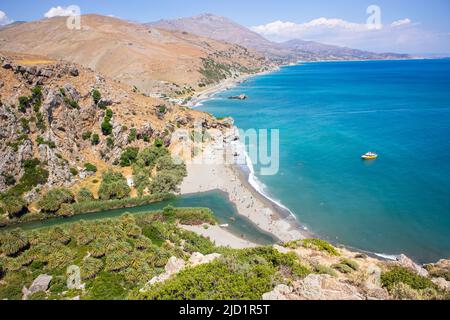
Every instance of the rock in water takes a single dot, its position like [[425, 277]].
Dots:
[[239, 97]]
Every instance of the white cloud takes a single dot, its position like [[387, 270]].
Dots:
[[286, 29], [399, 36], [4, 20], [401, 22], [61, 12]]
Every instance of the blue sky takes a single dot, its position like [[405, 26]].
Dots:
[[424, 25]]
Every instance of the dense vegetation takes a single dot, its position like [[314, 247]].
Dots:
[[115, 256], [404, 284], [239, 274]]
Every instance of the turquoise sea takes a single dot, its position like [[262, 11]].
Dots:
[[329, 114]]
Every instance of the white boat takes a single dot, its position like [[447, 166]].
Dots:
[[370, 156]]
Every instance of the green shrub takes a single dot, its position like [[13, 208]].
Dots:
[[352, 264], [89, 167], [402, 275], [73, 171], [66, 210], [113, 186], [13, 242], [342, 268], [322, 269], [106, 126], [129, 156], [238, 275], [96, 96], [84, 195], [87, 135], [321, 245], [14, 205], [34, 175], [23, 103], [110, 142], [148, 156], [99, 205], [95, 139], [158, 143], [164, 182], [90, 268], [9, 180], [132, 136], [107, 286], [52, 201]]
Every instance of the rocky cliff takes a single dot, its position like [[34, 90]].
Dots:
[[62, 116]]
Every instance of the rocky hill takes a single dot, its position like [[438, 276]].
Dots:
[[224, 29], [150, 59], [221, 28], [55, 117]]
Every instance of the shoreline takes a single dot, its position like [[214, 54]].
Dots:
[[265, 213], [224, 85], [209, 171]]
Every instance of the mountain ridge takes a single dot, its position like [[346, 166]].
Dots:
[[209, 25]]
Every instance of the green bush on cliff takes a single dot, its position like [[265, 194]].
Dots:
[[84, 195], [95, 139], [321, 245], [113, 186], [52, 201], [164, 182], [14, 205], [129, 156], [89, 167], [238, 274], [96, 96], [402, 275]]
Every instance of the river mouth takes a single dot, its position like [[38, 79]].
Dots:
[[216, 200]]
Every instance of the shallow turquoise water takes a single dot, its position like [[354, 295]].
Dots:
[[331, 113]]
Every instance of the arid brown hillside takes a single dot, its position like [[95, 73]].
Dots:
[[153, 60], [48, 112]]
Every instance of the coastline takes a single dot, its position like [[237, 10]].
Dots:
[[236, 181], [224, 85], [211, 173]]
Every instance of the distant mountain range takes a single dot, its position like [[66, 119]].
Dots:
[[221, 28], [170, 62]]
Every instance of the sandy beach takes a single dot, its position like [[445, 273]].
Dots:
[[211, 173]]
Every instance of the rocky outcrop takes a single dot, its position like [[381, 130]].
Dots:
[[407, 263], [316, 287], [239, 97], [40, 74], [175, 265], [40, 284], [281, 292]]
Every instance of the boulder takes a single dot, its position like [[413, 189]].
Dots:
[[40, 284], [325, 287], [174, 265], [442, 283], [281, 292], [407, 263], [197, 258], [373, 280]]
